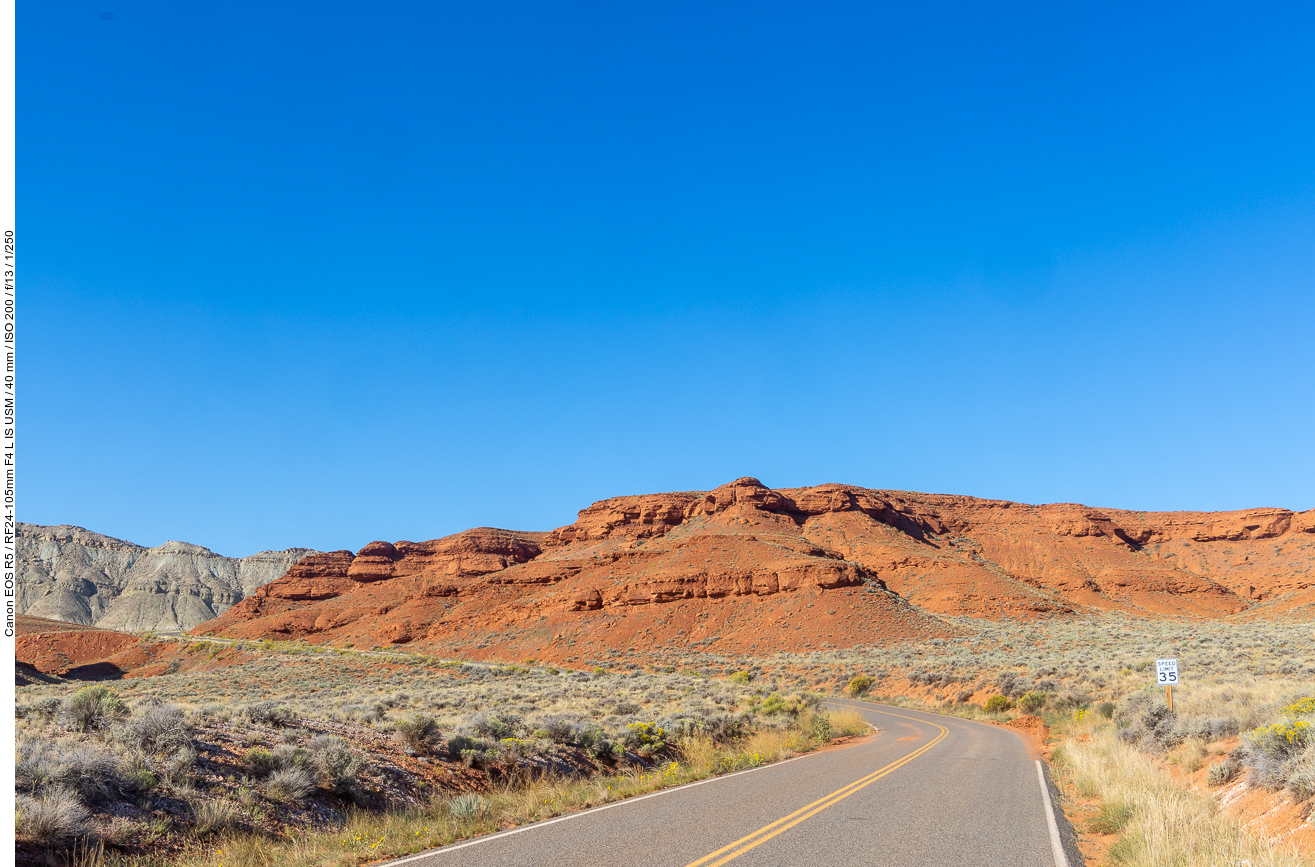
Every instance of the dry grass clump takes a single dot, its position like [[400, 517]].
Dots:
[[846, 723], [54, 816], [1160, 823]]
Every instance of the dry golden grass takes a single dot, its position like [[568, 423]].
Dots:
[[1160, 823], [848, 722]]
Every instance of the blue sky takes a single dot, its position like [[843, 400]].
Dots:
[[325, 273]]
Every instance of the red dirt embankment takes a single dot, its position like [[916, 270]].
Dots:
[[78, 652], [746, 569]]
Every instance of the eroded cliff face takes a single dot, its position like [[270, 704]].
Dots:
[[73, 575], [744, 567]]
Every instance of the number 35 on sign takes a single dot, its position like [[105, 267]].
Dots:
[[1166, 671]]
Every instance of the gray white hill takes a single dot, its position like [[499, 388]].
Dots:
[[72, 574]]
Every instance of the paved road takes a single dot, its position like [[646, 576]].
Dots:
[[927, 791]]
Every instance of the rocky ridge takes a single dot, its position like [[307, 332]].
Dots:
[[74, 575], [748, 568]]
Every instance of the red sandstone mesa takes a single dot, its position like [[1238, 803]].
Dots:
[[744, 567]]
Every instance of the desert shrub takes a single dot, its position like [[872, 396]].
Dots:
[[45, 709], [1282, 740], [487, 725], [1033, 701], [419, 734], [35, 766], [1106, 709], [560, 730], [289, 785], [93, 707], [260, 762], [289, 756], [53, 817], [1221, 728], [724, 727], [1219, 773], [822, 727], [1276, 752], [138, 776], [87, 771], [626, 708], [160, 728], [457, 745], [997, 704], [467, 808], [335, 763], [1301, 775], [1010, 684], [742, 677], [860, 685], [1300, 708], [363, 712], [645, 738], [215, 814], [266, 713], [481, 759]]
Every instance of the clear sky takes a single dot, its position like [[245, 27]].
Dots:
[[317, 274]]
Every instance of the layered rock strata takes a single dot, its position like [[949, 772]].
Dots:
[[747, 567]]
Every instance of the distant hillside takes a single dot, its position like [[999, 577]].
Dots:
[[745, 568], [77, 576]]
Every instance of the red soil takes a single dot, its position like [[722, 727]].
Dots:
[[747, 569], [90, 653]]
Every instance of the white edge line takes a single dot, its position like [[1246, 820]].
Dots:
[[1061, 860], [498, 836], [1056, 847]]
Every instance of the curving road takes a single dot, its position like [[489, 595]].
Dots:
[[927, 791]]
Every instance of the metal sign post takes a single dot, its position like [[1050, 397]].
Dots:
[[1166, 672]]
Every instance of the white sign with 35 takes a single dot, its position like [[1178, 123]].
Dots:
[[1166, 672]]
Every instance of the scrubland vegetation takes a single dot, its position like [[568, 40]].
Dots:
[[340, 759], [269, 753], [1245, 713]]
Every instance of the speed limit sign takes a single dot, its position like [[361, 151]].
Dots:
[[1166, 672]]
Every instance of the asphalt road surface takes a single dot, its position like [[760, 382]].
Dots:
[[927, 791]]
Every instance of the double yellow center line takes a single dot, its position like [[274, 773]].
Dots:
[[767, 832]]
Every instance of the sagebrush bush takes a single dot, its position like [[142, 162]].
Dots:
[[1301, 775], [267, 713], [289, 785], [859, 685], [560, 730], [90, 772], [260, 762], [93, 707], [1219, 774], [56, 816], [420, 734], [159, 729], [45, 709], [997, 704], [335, 763]]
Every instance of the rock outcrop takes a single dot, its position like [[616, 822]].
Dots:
[[745, 567], [77, 576]]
